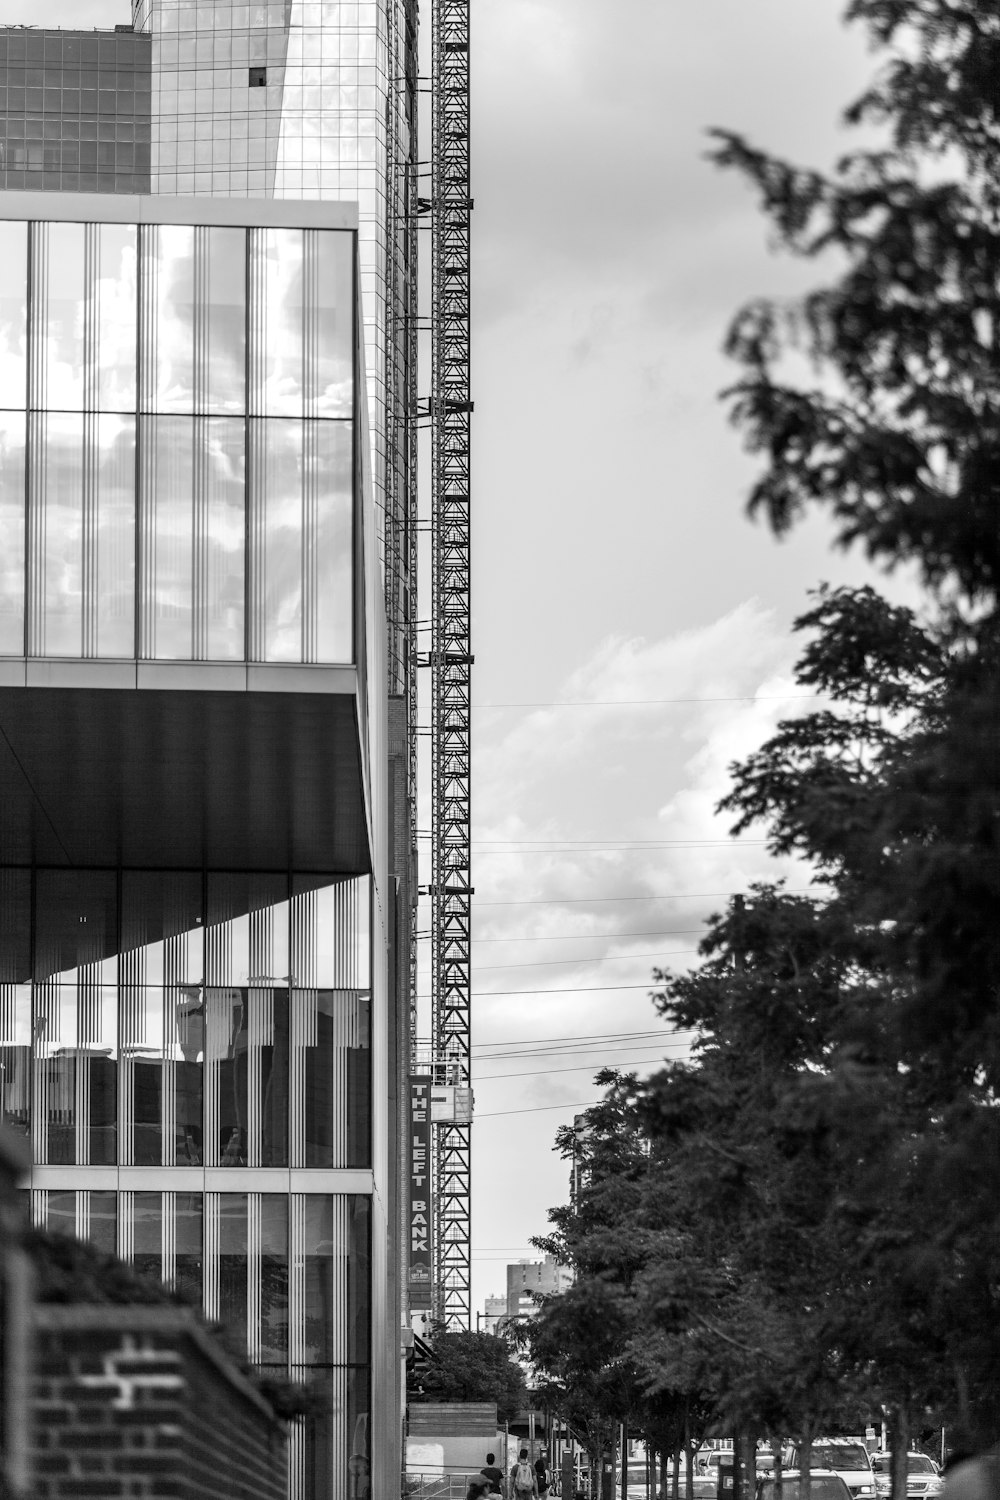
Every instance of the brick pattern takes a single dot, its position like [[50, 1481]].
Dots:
[[136, 1404]]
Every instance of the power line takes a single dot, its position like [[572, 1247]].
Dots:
[[570, 1049], [572, 989], [580, 1068], [668, 896], [541, 963], [534, 1109], [576, 1036], [642, 702], [572, 937], [608, 848]]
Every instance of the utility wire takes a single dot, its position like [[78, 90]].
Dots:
[[668, 896], [638, 702], [574, 937], [534, 1109], [638, 1062], [571, 989], [540, 963], [579, 1037]]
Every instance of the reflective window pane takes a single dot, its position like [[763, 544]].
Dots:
[[167, 372], [110, 619], [12, 519], [193, 533], [56, 518], [13, 314], [301, 531], [113, 358], [58, 306]]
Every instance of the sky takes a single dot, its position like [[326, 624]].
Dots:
[[614, 570]]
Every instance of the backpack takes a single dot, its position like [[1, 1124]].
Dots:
[[524, 1478]]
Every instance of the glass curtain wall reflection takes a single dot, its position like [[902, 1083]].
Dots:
[[176, 442], [187, 1020], [288, 1273]]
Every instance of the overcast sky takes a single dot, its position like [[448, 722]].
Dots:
[[613, 564]]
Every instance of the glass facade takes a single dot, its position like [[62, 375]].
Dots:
[[177, 442], [289, 1273], [74, 110], [189, 1051]]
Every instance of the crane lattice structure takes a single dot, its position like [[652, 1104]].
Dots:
[[451, 653]]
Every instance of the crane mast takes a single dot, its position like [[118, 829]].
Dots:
[[451, 648]]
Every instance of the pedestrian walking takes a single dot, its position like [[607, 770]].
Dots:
[[541, 1474], [523, 1479], [493, 1474], [478, 1487]]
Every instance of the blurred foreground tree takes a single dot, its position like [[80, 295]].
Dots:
[[893, 792]]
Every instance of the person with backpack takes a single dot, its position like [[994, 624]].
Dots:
[[541, 1476], [523, 1480]]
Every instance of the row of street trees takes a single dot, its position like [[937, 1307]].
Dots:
[[799, 1229]]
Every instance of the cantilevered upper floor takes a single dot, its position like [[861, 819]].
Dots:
[[186, 535]]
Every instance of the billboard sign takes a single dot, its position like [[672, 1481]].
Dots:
[[420, 1193]]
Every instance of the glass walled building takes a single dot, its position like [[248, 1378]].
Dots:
[[195, 1025]]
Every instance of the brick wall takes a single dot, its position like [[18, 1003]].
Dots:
[[137, 1403]]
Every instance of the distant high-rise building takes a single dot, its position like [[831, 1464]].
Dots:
[[538, 1277], [206, 453]]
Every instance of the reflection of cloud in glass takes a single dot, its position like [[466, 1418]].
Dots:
[[113, 361], [12, 533], [13, 313], [60, 263]]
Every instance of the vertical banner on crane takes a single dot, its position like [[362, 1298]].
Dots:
[[420, 1193]]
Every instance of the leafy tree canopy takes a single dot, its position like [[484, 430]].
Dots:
[[473, 1367]]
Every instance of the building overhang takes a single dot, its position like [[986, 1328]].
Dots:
[[194, 777]]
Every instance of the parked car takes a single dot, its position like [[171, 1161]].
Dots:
[[710, 1459], [843, 1456], [923, 1478], [823, 1485]]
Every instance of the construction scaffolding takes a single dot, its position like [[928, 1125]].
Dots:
[[451, 645]]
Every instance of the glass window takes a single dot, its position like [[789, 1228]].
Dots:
[[113, 361], [147, 1257], [302, 319], [13, 314], [232, 1232], [12, 521], [102, 1230], [193, 497], [195, 358], [110, 524], [301, 538], [273, 1280], [58, 316], [56, 519], [189, 1210]]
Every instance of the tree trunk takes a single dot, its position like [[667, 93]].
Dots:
[[899, 1443], [675, 1478], [689, 1458], [805, 1467], [776, 1451]]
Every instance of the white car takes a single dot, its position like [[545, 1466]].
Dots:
[[923, 1477], [841, 1456]]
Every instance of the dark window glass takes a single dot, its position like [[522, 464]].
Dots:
[[88, 51], [146, 1256], [34, 49], [147, 1085], [258, 78], [71, 49], [189, 1215], [88, 101], [103, 1110], [273, 1278], [53, 101], [35, 78], [61, 1213], [15, 99], [274, 1065], [233, 1263], [71, 101], [33, 100], [104, 1221]]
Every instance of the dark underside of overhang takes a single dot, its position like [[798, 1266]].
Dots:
[[181, 780]]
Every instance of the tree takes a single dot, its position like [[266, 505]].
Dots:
[[894, 791], [472, 1367]]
